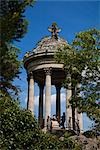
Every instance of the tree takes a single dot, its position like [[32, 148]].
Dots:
[[13, 26], [12, 19], [88, 45], [18, 129], [70, 58], [81, 60], [9, 70]]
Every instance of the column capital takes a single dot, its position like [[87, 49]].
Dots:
[[30, 76], [48, 70]]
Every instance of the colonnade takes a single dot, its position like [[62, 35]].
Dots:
[[30, 104]]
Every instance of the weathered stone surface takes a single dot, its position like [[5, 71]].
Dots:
[[30, 105], [47, 95], [48, 44], [87, 143]]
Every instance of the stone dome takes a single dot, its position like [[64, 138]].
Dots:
[[49, 44], [43, 55]]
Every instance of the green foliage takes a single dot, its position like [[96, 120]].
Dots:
[[88, 45], [9, 69], [82, 61], [13, 23], [91, 134], [69, 143], [49, 141], [13, 26], [68, 134], [19, 130]]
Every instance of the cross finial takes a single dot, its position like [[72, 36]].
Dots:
[[54, 31]]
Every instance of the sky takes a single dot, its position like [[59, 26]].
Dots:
[[72, 17]]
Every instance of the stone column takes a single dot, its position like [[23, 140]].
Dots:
[[77, 127], [40, 117], [47, 95], [58, 108], [79, 115], [80, 118], [68, 105], [30, 104]]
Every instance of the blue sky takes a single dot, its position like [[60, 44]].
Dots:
[[71, 16]]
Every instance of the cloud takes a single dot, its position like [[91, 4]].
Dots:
[[53, 103], [53, 99]]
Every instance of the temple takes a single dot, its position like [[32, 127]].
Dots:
[[42, 68]]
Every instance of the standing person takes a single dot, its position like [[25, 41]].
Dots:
[[63, 120]]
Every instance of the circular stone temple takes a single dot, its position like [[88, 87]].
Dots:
[[42, 68]]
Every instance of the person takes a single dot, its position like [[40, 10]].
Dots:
[[63, 120]]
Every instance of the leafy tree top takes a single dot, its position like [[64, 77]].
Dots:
[[12, 20]]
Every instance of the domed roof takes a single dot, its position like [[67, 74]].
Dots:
[[42, 57], [49, 44]]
